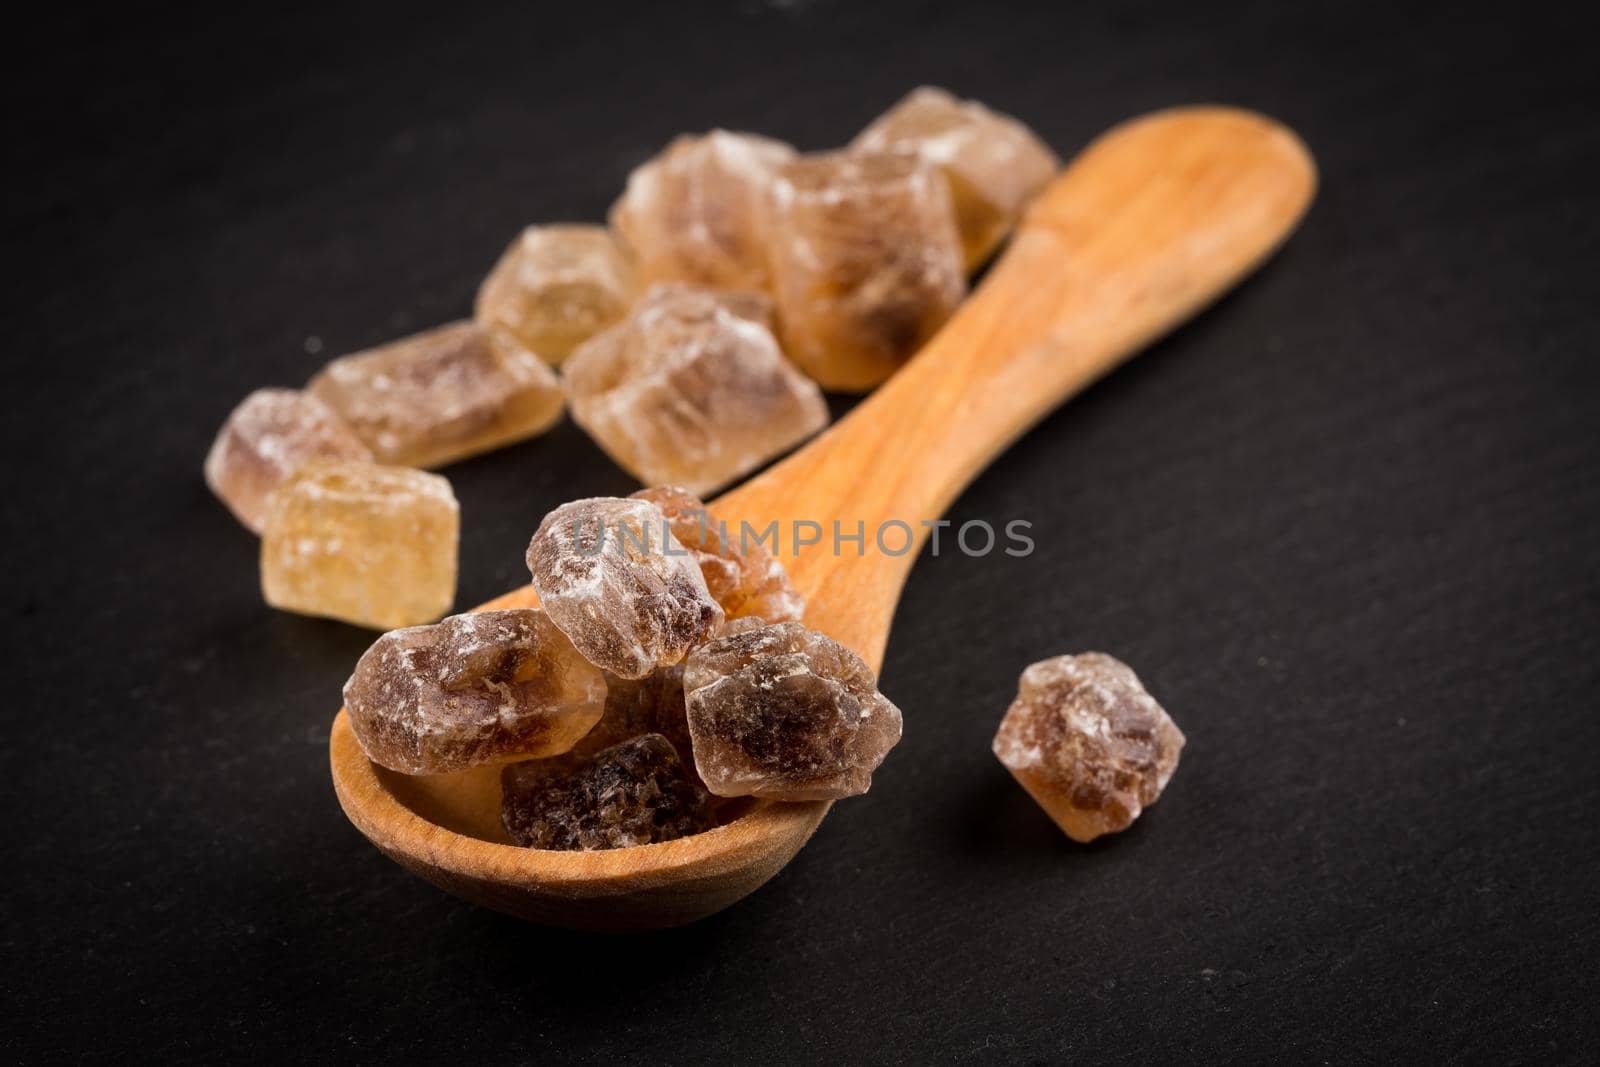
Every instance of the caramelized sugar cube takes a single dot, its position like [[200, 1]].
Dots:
[[1088, 743], [268, 437], [442, 395], [783, 712], [555, 287], [371, 545], [866, 263], [620, 585], [695, 213], [483, 688], [994, 163], [691, 389], [635, 793]]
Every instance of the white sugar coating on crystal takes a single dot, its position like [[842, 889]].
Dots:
[[692, 389], [783, 712], [695, 212], [484, 688], [442, 394], [1088, 743], [994, 163], [265, 440], [617, 582]]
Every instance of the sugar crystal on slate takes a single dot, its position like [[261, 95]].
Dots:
[[620, 585], [1088, 743], [368, 544], [696, 212], [692, 389], [555, 287], [866, 263], [994, 163], [783, 712], [635, 793], [268, 437], [482, 688], [442, 395]]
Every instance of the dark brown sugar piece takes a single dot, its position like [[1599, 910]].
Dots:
[[483, 688], [638, 792], [783, 712], [1086, 740], [617, 582]]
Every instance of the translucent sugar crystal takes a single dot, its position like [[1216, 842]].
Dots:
[[620, 585], [489, 687], [691, 389], [266, 439], [783, 712], [635, 706], [442, 395], [866, 263], [371, 545], [695, 213], [994, 163], [556, 286], [1088, 743], [636, 793], [740, 573]]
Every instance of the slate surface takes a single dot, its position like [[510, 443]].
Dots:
[[1344, 525]]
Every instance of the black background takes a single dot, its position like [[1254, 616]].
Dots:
[[1344, 525]]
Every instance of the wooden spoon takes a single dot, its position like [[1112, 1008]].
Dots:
[[1153, 221]]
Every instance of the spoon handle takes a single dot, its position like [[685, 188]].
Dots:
[[1154, 220]]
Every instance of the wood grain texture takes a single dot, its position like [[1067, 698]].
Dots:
[[1153, 221]]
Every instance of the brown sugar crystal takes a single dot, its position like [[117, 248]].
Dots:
[[866, 263], [695, 213], [556, 287], [638, 792], [1088, 743], [620, 585], [995, 165], [740, 573], [266, 439], [442, 395], [692, 389], [368, 544], [482, 688], [786, 713]]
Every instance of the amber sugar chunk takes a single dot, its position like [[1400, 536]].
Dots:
[[638, 792], [783, 712], [368, 544], [620, 585], [866, 263], [268, 437], [740, 573], [442, 395], [692, 389], [995, 165], [489, 687], [1088, 743], [555, 287], [695, 213]]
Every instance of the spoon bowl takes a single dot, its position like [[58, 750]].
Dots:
[[1153, 221]]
